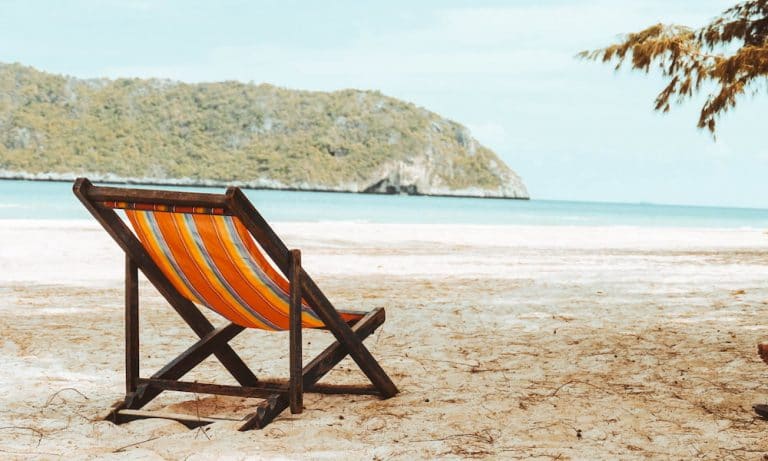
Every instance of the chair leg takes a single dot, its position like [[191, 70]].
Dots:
[[295, 388], [131, 325], [344, 335], [314, 371]]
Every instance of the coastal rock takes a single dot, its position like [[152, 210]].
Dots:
[[259, 136]]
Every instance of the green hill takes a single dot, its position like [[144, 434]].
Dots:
[[161, 131]]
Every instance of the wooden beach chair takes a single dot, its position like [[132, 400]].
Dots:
[[216, 250]]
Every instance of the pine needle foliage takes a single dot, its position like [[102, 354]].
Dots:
[[731, 52]]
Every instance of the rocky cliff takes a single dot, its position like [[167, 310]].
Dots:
[[261, 136]]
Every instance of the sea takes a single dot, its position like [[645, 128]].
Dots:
[[44, 200]]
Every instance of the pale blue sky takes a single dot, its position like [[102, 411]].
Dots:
[[573, 130]]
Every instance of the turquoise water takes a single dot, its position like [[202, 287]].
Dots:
[[54, 200]]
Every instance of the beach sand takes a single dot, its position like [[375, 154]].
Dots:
[[506, 342]]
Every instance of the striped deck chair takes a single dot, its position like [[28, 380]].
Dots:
[[217, 251]]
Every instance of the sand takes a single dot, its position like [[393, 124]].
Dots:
[[506, 342]]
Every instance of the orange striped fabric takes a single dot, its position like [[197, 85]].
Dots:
[[213, 261]]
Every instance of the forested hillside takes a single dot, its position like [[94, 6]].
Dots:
[[237, 133]]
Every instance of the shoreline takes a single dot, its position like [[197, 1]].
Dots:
[[537, 231], [426, 251], [439, 228], [247, 185]]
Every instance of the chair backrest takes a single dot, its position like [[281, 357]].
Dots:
[[205, 250]]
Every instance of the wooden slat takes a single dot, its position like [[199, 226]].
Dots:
[[261, 390], [163, 197], [294, 319], [198, 352], [131, 325]]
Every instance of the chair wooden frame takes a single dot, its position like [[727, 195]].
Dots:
[[277, 395]]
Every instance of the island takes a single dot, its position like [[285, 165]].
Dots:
[[155, 131]]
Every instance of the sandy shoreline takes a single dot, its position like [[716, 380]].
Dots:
[[506, 341]]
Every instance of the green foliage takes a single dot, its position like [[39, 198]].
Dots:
[[226, 131], [731, 51]]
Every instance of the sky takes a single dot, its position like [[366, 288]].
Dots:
[[573, 129]]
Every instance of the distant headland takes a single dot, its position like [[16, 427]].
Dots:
[[56, 127]]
